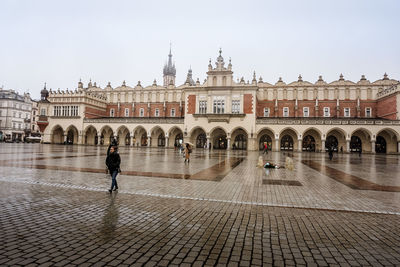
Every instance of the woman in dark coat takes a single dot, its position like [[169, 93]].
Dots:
[[113, 161]]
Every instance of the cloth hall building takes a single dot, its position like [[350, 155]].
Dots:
[[221, 113]]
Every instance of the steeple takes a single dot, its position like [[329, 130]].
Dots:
[[169, 70]]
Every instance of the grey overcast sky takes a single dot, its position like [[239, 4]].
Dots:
[[59, 42]]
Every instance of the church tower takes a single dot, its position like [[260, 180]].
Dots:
[[169, 71]]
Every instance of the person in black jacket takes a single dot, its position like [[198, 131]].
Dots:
[[113, 161]]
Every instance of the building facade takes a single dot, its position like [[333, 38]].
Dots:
[[15, 115], [221, 113]]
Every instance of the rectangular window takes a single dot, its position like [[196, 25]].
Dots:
[[219, 105], [157, 112], [347, 112], [202, 107], [126, 112], [266, 112], [306, 112], [327, 112], [368, 112], [112, 112], [141, 112], [172, 112], [43, 112], [235, 106], [20, 115], [14, 114], [285, 112]]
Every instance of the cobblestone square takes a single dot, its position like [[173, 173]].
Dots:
[[220, 209]]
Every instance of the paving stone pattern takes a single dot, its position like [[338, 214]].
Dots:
[[60, 218]]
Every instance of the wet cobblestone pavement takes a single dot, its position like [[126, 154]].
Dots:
[[232, 214]]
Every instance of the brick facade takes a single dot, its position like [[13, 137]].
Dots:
[[387, 108], [248, 104], [191, 104]]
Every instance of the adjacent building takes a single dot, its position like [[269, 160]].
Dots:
[[15, 115], [221, 113]]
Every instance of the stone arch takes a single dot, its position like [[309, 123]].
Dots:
[[175, 136], [218, 138], [140, 136], [156, 132], [311, 140], [90, 135], [336, 138], [123, 135], [386, 141], [198, 137], [239, 139], [72, 135], [266, 135], [288, 138], [57, 135], [106, 135], [360, 139]]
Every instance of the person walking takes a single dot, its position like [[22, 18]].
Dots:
[[330, 153], [265, 149], [187, 153], [113, 162]]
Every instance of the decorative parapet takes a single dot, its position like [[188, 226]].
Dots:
[[224, 117], [326, 121], [139, 120], [388, 91]]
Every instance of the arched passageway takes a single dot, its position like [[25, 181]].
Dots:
[[360, 141], [90, 136], [123, 136], [336, 138], [355, 144], [72, 135], [386, 141], [309, 143], [380, 145], [332, 143], [107, 135], [239, 139], [201, 140], [266, 136], [57, 135], [311, 140], [287, 143], [161, 140], [218, 137]]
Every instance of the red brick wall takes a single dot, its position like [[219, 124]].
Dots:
[[94, 113], [191, 104], [387, 107], [303, 104], [248, 104], [352, 104], [265, 104]]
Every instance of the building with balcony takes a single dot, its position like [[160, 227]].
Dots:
[[221, 113]]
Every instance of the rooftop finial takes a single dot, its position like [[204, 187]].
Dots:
[[220, 51]]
